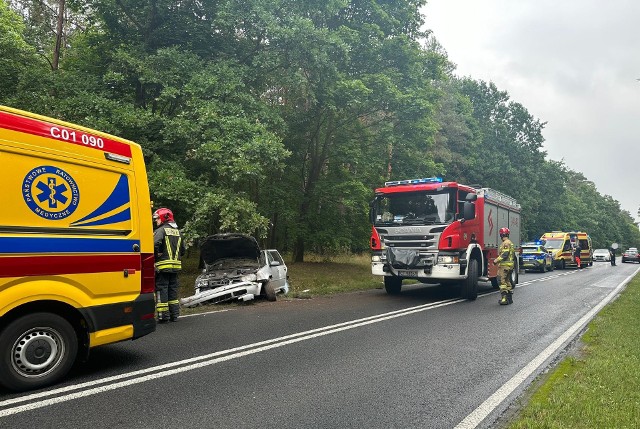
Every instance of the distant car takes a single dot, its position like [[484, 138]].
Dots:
[[630, 256], [536, 257], [235, 268], [601, 255]]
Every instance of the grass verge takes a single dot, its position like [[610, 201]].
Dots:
[[598, 387]]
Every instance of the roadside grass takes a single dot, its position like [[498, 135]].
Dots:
[[328, 275], [599, 386], [318, 275]]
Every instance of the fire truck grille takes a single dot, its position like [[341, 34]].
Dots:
[[412, 241]]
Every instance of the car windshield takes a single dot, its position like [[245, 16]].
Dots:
[[415, 208], [601, 252]]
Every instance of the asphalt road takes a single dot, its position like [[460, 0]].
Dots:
[[424, 359]]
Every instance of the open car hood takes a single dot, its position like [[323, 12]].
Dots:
[[230, 245]]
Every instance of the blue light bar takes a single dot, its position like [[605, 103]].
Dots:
[[414, 181]]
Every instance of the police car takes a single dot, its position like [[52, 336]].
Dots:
[[536, 257]]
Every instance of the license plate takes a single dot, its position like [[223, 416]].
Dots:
[[407, 273]]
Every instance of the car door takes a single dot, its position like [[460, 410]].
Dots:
[[278, 268]]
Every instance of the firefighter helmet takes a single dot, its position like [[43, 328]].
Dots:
[[504, 232], [163, 214]]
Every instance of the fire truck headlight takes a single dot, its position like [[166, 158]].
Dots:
[[375, 258], [448, 260]]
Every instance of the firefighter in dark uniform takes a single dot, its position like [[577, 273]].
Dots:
[[505, 261], [169, 249]]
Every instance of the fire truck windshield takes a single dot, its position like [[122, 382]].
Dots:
[[415, 208]]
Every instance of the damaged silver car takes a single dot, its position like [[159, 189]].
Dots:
[[235, 268]]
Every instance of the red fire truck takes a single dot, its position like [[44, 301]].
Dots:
[[440, 232]]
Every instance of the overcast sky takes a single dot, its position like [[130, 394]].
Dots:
[[573, 64]]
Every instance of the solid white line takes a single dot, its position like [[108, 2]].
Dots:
[[480, 413], [200, 361]]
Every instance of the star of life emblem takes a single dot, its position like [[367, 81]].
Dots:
[[50, 192]]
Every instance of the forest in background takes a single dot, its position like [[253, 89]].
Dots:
[[279, 118]]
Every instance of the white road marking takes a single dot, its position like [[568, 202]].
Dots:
[[76, 391], [480, 413], [165, 370]]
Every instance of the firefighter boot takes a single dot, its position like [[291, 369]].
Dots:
[[162, 310], [510, 297], [504, 300]]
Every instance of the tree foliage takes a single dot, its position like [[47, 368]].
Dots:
[[278, 118]]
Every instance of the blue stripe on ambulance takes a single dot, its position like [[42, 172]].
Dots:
[[115, 218], [66, 245], [118, 198]]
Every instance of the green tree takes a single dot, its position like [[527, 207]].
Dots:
[[355, 89], [16, 55]]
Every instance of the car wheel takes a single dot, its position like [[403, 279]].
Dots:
[[270, 291], [393, 285], [470, 284], [543, 268], [37, 350]]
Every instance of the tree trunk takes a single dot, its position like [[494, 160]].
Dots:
[[298, 252], [59, 27]]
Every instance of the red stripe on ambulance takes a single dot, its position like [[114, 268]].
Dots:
[[51, 265], [61, 133]]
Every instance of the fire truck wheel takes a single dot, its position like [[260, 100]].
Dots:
[[37, 350], [392, 285], [494, 283], [270, 291], [470, 284]]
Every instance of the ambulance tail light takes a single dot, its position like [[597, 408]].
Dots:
[[148, 273]]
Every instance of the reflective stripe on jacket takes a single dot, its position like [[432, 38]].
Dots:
[[506, 254], [168, 248]]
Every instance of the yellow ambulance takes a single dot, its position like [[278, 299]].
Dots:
[[76, 246], [561, 245]]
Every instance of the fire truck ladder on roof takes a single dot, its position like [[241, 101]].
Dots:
[[493, 195]]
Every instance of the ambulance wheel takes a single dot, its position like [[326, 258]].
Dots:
[[270, 291], [563, 265], [392, 285], [37, 350], [470, 284]]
